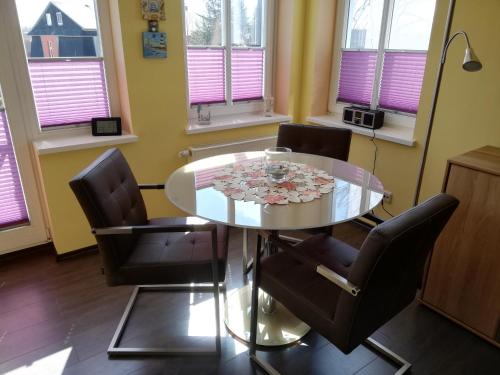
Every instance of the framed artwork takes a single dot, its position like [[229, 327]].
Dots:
[[154, 45], [153, 9]]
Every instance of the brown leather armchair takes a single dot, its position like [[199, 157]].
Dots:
[[310, 139], [345, 294], [171, 252], [317, 140]]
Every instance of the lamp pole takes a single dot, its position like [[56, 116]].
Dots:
[[471, 64], [437, 86]]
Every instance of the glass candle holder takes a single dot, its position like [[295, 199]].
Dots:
[[277, 163], [268, 106]]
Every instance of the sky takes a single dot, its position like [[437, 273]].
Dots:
[[411, 22]]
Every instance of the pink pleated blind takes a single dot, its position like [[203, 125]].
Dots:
[[69, 92], [12, 204], [206, 75], [402, 77], [247, 73], [357, 72]]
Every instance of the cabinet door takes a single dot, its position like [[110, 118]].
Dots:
[[464, 276]]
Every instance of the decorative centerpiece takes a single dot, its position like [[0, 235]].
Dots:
[[274, 180], [277, 163]]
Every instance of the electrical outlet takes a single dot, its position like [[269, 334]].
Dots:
[[387, 197]]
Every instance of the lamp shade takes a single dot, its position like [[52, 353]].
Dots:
[[471, 62]]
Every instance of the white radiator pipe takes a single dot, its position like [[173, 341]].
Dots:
[[241, 146]]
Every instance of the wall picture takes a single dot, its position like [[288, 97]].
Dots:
[[153, 9], [154, 45]]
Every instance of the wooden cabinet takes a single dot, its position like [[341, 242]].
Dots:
[[463, 278]]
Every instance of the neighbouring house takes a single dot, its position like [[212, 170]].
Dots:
[[65, 30]]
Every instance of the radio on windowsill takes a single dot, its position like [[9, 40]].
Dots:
[[367, 118]]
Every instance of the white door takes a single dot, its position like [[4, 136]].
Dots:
[[22, 222]]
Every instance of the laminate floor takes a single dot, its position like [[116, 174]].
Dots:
[[58, 318]]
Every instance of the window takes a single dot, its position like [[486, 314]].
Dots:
[[66, 65], [383, 53], [14, 211], [59, 18], [227, 50], [48, 18]]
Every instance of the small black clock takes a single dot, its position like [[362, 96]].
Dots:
[[106, 126]]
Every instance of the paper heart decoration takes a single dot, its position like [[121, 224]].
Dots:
[[248, 182]]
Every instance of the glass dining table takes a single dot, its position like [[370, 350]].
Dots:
[[191, 188]]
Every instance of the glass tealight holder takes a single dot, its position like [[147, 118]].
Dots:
[[277, 163], [268, 106]]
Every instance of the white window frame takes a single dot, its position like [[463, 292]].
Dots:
[[239, 107], [22, 75], [59, 18], [342, 19]]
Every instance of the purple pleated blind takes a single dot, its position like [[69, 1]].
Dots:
[[247, 73], [357, 72], [206, 75], [402, 78], [12, 204], [69, 92]]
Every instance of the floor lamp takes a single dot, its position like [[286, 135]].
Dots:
[[470, 64]]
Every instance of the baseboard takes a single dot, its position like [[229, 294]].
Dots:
[[75, 253], [45, 248]]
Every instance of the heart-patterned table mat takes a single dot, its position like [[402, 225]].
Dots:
[[249, 182]]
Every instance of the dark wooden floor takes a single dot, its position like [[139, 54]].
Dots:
[[58, 318]]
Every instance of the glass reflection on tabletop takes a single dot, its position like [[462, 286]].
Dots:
[[356, 192]]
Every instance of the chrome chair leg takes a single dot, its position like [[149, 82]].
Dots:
[[114, 350], [254, 312], [403, 364]]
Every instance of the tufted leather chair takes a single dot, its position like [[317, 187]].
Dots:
[[317, 140], [137, 250], [346, 294]]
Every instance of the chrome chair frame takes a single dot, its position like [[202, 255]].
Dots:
[[327, 273], [114, 350]]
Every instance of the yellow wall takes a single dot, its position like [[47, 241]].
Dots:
[[396, 164], [157, 100], [157, 93], [465, 117]]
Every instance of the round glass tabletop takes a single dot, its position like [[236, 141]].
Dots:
[[356, 192]]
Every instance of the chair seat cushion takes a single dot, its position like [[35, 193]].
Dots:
[[332, 253], [175, 257], [297, 286], [307, 294]]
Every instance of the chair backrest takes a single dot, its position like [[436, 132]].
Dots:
[[389, 269], [109, 195], [317, 140]]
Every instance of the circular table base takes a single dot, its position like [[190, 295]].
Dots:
[[278, 328]]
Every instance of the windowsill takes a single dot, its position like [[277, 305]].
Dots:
[[389, 132], [241, 120], [77, 139]]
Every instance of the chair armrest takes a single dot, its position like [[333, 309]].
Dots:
[[151, 186], [324, 271], [209, 227], [338, 280]]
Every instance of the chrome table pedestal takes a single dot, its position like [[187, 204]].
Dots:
[[279, 327]]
